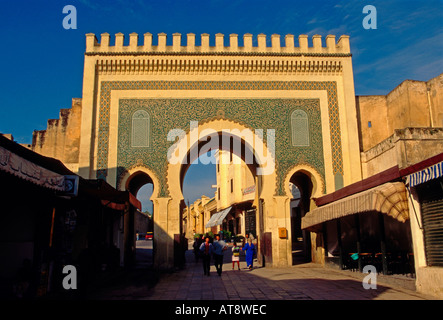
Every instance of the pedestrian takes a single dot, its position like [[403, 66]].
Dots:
[[197, 243], [236, 256], [206, 249], [219, 248], [249, 248], [245, 239]]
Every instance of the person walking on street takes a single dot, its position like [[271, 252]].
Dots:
[[206, 249], [249, 248], [219, 247], [197, 243], [236, 256]]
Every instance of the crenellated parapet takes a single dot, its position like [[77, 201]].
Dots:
[[250, 56], [248, 47]]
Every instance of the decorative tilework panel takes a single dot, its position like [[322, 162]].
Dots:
[[167, 114]]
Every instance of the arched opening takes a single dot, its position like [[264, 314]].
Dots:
[[301, 188], [140, 223], [242, 141], [220, 181]]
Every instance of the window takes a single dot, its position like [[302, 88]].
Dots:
[[140, 129], [231, 145], [432, 215], [232, 185], [430, 195], [300, 128]]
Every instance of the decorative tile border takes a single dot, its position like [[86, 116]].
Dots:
[[229, 109]]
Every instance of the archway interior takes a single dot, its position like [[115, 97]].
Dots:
[[137, 180], [144, 196], [141, 185], [199, 179], [201, 164], [301, 188], [206, 144]]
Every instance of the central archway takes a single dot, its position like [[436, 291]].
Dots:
[[242, 141]]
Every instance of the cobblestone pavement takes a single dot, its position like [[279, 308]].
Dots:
[[301, 282]]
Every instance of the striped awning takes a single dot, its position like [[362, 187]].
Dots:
[[217, 218], [422, 176], [389, 198]]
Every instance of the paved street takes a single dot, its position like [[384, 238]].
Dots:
[[302, 282], [144, 253]]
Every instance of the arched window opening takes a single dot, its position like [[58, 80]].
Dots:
[[140, 129], [300, 128]]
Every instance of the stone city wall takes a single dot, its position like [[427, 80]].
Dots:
[[61, 139]]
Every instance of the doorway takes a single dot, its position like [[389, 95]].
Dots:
[[140, 230], [300, 186]]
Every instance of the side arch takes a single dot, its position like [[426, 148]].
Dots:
[[132, 173], [318, 182], [310, 183]]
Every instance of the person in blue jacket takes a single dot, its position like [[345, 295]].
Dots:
[[249, 248], [219, 248], [207, 250]]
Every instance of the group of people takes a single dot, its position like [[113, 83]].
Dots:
[[217, 248]]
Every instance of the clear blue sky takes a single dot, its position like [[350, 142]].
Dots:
[[42, 63]]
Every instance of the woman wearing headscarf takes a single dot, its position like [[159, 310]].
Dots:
[[249, 248]]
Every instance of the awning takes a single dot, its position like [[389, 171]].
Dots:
[[389, 198], [109, 196], [29, 171], [122, 206], [422, 176], [217, 218], [113, 205]]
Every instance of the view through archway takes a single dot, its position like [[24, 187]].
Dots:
[[141, 185], [300, 186], [220, 182]]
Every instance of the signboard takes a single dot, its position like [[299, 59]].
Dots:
[[27, 170], [71, 186], [249, 190]]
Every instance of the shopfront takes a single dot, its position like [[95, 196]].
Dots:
[[46, 223], [424, 183], [368, 228]]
